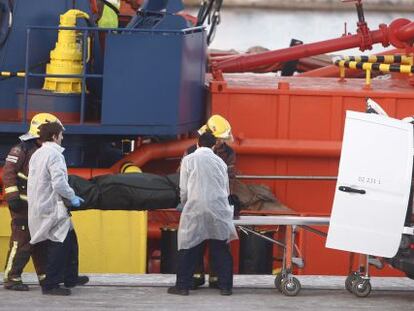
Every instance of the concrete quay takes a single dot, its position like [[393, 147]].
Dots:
[[250, 293]]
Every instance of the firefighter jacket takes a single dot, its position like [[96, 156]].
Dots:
[[49, 218], [204, 191], [226, 153], [15, 172]]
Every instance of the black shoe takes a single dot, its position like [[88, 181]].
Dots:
[[198, 281], [178, 291], [82, 280], [213, 284], [17, 286], [226, 292], [57, 291]]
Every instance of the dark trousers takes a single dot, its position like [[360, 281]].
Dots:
[[199, 270], [62, 262], [221, 260], [20, 251]]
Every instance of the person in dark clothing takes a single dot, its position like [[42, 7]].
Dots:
[[221, 130], [15, 172]]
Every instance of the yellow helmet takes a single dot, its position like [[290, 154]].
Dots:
[[219, 126], [129, 167], [37, 121]]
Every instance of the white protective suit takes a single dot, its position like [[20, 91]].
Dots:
[[47, 185], [204, 191]]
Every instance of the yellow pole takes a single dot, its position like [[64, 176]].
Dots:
[[368, 78]]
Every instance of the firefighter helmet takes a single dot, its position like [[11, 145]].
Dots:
[[129, 167], [219, 126], [37, 121]]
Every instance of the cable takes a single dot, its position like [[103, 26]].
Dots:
[[31, 68]]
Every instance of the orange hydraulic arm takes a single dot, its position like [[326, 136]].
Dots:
[[400, 33]]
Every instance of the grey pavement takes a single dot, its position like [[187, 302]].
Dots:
[[149, 292]]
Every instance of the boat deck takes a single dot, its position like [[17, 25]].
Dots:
[[266, 83]]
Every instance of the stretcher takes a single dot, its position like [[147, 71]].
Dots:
[[285, 281]]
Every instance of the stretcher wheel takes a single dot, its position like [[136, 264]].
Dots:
[[361, 288], [350, 279], [290, 286], [278, 280]]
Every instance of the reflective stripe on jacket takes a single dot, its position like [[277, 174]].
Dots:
[[16, 168]]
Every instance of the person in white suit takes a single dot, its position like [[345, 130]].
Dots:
[[48, 217], [206, 216]]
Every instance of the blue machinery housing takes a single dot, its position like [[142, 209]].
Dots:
[[147, 81]]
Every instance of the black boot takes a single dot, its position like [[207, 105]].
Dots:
[[213, 282], [57, 291], [178, 291], [226, 292], [17, 286], [82, 280], [198, 280]]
